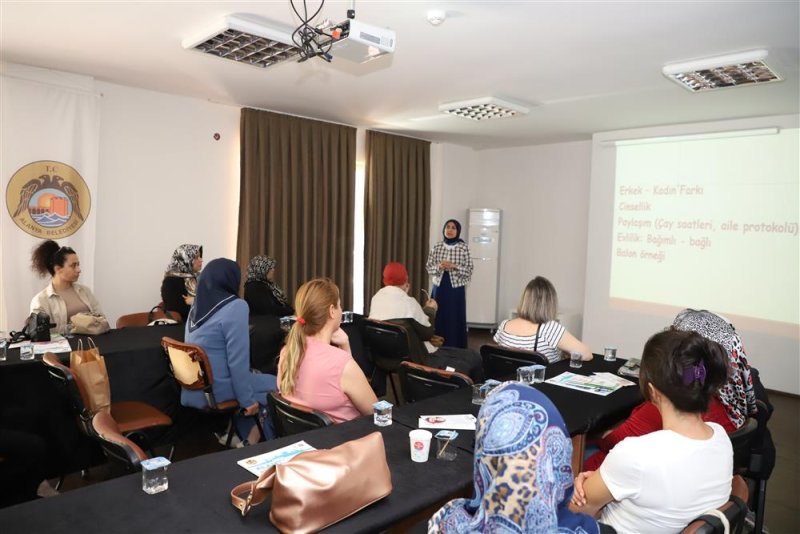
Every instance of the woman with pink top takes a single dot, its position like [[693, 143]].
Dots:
[[316, 368]]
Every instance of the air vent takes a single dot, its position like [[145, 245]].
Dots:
[[481, 109], [734, 70]]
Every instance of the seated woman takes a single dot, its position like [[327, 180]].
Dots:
[[661, 481], [218, 322], [729, 408], [523, 473], [64, 296], [316, 368], [179, 287], [260, 290], [535, 327]]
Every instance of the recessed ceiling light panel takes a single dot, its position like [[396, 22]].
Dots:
[[245, 40], [733, 70], [485, 108]]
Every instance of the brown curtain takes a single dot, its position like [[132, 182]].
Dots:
[[397, 200], [297, 198]]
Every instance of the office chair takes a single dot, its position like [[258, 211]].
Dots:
[[387, 344], [501, 363], [191, 369], [292, 418], [422, 382], [145, 318], [116, 446], [132, 417], [734, 511]]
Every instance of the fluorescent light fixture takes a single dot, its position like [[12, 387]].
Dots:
[[692, 137], [733, 70], [246, 40], [484, 108]]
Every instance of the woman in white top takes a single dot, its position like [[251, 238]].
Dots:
[[63, 297], [535, 327], [661, 481]]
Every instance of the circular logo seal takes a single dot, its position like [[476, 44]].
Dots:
[[48, 199]]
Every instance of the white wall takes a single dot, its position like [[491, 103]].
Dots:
[[544, 194], [163, 181]]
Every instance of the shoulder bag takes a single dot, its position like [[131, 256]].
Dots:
[[316, 489], [89, 323]]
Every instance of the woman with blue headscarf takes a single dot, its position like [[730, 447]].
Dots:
[[450, 267], [219, 323], [523, 473]]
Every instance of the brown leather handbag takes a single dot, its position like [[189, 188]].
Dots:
[[316, 489]]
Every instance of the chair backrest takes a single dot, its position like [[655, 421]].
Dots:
[[105, 430], [292, 418], [742, 441], [145, 318], [501, 363], [66, 381], [386, 342], [190, 367], [422, 382], [734, 510]]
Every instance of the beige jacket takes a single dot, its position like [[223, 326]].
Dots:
[[49, 302]]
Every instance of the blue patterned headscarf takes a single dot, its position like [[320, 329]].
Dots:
[[523, 473]]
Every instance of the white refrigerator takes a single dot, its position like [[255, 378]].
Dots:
[[483, 239]]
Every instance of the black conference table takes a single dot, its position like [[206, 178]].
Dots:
[[582, 412], [137, 370], [198, 498]]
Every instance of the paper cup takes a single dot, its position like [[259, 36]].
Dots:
[[420, 444]]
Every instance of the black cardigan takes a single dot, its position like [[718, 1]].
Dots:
[[262, 301], [173, 289]]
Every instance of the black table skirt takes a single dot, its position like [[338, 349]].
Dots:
[[198, 498]]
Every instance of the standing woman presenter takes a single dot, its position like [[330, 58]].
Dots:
[[450, 266]]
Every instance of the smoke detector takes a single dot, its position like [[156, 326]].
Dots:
[[436, 16]]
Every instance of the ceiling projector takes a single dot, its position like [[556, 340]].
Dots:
[[362, 42]]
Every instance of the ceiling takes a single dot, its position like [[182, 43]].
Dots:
[[583, 67]]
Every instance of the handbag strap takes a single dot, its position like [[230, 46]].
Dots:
[[257, 491]]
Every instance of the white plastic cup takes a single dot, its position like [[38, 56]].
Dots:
[[610, 354], [576, 360], [420, 444], [347, 317]]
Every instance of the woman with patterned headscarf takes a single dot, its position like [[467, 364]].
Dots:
[[261, 292], [522, 470], [179, 286], [737, 395], [450, 267]]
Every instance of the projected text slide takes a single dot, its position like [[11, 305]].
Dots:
[[709, 223]]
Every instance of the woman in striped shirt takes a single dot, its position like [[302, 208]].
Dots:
[[536, 328]]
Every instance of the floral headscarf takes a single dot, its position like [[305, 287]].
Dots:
[[737, 395], [523, 471], [257, 272], [181, 266]]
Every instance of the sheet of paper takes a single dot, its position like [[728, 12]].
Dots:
[[262, 462], [615, 379], [465, 421], [590, 384], [54, 345]]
